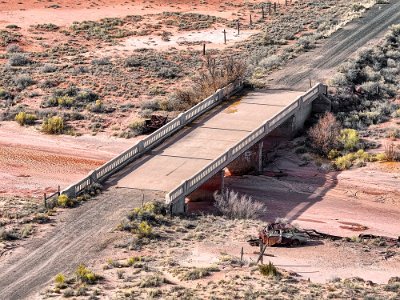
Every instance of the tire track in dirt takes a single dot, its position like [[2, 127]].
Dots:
[[80, 234], [320, 62]]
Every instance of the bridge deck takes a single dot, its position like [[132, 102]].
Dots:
[[204, 140]]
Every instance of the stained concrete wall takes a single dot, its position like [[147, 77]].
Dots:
[[249, 161]]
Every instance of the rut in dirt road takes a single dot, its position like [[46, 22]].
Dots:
[[319, 63], [79, 235]]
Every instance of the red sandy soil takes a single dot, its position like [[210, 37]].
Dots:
[[28, 12], [32, 163], [360, 200]]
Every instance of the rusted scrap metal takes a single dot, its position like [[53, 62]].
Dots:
[[155, 122], [279, 234]]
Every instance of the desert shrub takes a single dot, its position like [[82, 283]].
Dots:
[[64, 201], [25, 119], [7, 37], [324, 135], [60, 280], [344, 162], [69, 292], [151, 105], [18, 60], [23, 81], [96, 107], [358, 158], [101, 61], [137, 126], [49, 68], [269, 270], [86, 96], [271, 62], [84, 275], [306, 42], [168, 72], [14, 48], [235, 206], [391, 153], [144, 230], [380, 156], [8, 235], [53, 125], [198, 273], [349, 138], [358, 7], [47, 27], [133, 260], [333, 154], [152, 281]]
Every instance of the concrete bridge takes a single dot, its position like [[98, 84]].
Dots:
[[192, 151]]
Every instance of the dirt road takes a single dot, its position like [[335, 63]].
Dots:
[[320, 63], [81, 234]]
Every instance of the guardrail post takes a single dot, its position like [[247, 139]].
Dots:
[[182, 118], [141, 146], [300, 102], [93, 176], [266, 128], [323, 89], [220, 94]]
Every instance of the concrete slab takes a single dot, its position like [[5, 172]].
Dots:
[[190, 150]]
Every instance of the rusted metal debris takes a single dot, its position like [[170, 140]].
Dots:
[[155, 122], [286, 234], [280, 234]]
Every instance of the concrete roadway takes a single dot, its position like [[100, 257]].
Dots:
[[206, 139]]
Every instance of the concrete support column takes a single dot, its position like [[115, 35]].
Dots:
[[260, 158], [178, 207], [222, 180]]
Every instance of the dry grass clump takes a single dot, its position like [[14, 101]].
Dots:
[[234, 206], [269, 270]]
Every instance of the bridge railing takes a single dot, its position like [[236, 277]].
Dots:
[[231, 154], [152, 140]]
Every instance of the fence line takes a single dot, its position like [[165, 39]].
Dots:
[[141, 147], [215, 166]]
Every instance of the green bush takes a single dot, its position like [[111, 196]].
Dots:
[[84, 275], [349, 138], [64, 201], [144, 229], [347, 161], [25, 119], [53, 125], [59, 280]]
